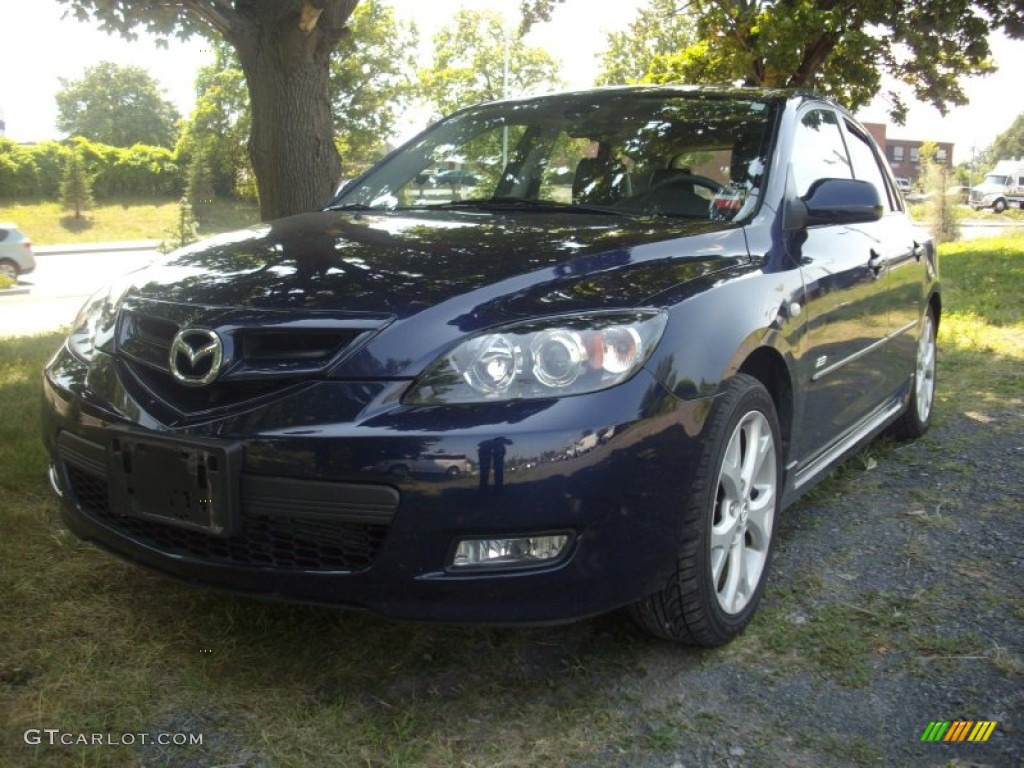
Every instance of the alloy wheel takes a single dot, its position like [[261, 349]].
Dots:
[[924, 379], [744, 512]]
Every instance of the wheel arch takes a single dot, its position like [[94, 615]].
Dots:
[[935, 304], [767, 365]]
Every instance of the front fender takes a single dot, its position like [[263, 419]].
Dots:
[[710, 334]]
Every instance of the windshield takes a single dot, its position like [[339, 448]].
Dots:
[[995, 180], [623, 152]]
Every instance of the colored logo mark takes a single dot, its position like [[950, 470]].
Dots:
[[958, 730]]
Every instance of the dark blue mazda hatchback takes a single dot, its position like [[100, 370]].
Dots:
[[586, 371]]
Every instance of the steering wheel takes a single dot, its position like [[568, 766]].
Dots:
[[688, 179], [675, 196]]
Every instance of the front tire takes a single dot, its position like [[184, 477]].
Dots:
[[727, 526]]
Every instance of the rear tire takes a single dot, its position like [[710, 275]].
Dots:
[[727, 526], [10, 269], [917, 417]]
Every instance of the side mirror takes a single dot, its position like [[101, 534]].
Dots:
[[842, 201]]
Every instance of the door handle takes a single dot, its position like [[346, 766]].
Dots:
[[877, 262]]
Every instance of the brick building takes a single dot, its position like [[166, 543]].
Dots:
[[904, 155]]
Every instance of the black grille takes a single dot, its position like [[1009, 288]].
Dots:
[[90, 491], [154, 388], [291, 347], [148, 339], [279, 541], [265, 353]]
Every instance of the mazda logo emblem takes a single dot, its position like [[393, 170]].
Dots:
[[196, 356]]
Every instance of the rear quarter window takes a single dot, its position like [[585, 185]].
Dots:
[[866, 165]]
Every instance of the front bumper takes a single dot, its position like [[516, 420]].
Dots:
[[320, 520], [978, 200]]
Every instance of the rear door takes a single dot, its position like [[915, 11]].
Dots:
[[900, 245]]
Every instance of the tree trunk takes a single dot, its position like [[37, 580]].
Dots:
[[285, 50]]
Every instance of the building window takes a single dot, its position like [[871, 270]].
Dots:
[[897, 154], [940, 155], [915, 154]]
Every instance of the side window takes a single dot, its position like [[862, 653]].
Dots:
[[819, 150], [865, 165]]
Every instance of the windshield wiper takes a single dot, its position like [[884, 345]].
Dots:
[[522, 204], [351, 207]]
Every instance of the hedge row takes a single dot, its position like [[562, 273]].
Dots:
[[35, 170]]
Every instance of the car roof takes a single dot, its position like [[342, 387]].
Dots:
[[768, 95]]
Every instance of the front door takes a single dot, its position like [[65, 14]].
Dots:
[[845, 275]]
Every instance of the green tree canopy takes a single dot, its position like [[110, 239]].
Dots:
[[371, 82], [660, 29], [469, 63], [220, 123], [840, 48], [1008, 145], [116, 105]]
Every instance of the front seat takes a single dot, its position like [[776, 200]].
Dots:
[[600, 181]]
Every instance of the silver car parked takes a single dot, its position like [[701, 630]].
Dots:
[[16, 256]]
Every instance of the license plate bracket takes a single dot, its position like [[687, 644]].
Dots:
[[191, 483]]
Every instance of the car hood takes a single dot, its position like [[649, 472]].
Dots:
[[445, 272], [401, 264]]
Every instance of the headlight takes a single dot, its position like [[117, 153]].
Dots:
[[94, 324], [544, 358]]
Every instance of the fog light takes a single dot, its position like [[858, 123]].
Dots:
[[520, 552]]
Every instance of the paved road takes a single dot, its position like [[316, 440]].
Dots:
[[59, 286], [972, 230]]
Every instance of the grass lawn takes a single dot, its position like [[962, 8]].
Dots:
[[131, 219], [89, 644], [981, 334]]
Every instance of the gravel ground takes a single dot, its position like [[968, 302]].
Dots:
[[896, 599]]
